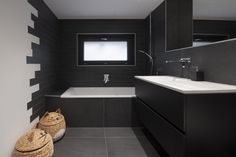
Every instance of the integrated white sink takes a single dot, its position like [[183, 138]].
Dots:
[[187, 86]]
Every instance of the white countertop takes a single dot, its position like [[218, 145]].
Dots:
[[187, 86]]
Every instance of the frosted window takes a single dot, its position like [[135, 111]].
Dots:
[[105, 51]]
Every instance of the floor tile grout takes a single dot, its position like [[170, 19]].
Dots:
[[83, 137], [106, 142], [107, 138]]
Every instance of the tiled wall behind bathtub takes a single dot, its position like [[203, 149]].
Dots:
[[70, 75]]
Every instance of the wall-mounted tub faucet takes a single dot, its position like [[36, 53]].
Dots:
[[106, 78]]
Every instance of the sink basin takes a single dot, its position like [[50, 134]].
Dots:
[[188, 86], [166, 78]]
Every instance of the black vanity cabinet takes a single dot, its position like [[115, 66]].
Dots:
[[188, 125]]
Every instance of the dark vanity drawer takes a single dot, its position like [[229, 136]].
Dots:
[[168, 136], [168, 103]]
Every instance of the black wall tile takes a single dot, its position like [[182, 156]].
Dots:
[[217, 61], [46, 28], [69, 74]]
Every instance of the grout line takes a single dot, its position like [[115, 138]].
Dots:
[[103, 114], [83, 137], [120, 137], [106, 141]]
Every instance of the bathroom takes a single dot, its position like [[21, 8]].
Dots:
[[170, 91]]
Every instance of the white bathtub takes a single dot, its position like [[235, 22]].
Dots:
[[99, 92]]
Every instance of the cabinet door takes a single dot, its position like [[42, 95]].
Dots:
[[168, 103], [211, 129], [169, 138]]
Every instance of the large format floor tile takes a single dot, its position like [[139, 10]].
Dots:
[[104, 142], [85, 133], [81, 147], [125, 147], [123, 132]]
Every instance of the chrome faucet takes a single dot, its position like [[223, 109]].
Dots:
[[106, 78], [182, 61], [185, 64], [150, 58]]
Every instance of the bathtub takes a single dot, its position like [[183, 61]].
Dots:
[[99, 92]]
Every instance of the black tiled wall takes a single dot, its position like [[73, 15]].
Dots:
[[45, 54], [70, 75]]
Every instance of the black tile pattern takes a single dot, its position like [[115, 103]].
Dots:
[[45, 27], [104, 142], [69, 75]]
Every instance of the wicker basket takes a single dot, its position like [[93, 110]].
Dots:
[[36, 143], [53, 123]]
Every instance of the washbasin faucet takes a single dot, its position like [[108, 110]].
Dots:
[[106, 78], [185, 64]]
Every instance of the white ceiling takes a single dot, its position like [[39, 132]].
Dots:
[[136, 9], [214, 9], [102, 9]]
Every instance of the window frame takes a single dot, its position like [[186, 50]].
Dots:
[[83, 37]]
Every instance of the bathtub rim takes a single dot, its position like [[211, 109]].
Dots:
[[65, 95]]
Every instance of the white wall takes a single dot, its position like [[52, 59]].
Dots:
[[15, 92]]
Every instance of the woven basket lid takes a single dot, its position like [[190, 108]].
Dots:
[[52, 118], [33, 140]]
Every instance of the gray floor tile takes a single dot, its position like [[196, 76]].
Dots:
[[123, 132], [91, 142], [81, 147], [148, 148], [125, 147], [84, 133]]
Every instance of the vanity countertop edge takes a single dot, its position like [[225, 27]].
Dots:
[[187, 86]]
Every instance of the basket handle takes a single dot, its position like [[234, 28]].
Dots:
[[45, 115], [35, 126], [58, 110]]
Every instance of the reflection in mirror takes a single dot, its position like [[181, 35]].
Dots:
[[213, 21]]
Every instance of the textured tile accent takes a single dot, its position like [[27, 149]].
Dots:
[[41, 57], [34, 66]]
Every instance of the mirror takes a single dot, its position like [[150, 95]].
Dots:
[[213, 21]]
